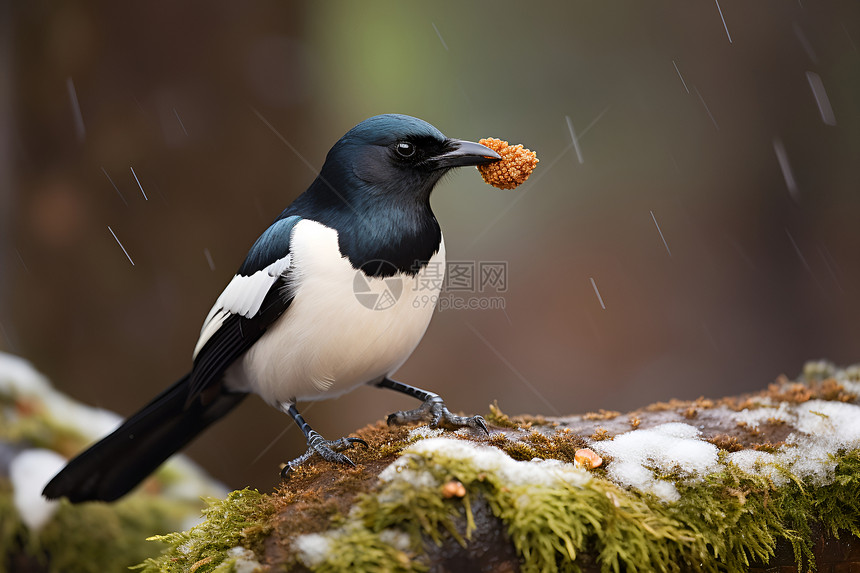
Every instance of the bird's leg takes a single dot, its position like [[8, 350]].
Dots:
[[433, 410], [328, 449]]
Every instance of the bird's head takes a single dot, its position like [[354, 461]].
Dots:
[[399, 157]]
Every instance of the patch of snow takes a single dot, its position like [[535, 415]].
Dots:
[[821, 429], [422, 432], [17, 376], [851, 386], [395, 538], [92, 423], [489, 460], [763, 401], [244, 560], [314, 548], [807, 458], [756, 462], [19, 379], [29, 472], [755, 417], [675, 447], [839, 422], [419, 479]]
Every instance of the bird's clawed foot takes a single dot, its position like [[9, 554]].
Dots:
[[328, 449], [434, 411]]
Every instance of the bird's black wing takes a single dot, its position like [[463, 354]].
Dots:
[[254, 299]]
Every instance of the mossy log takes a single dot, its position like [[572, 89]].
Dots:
[[761, 482]]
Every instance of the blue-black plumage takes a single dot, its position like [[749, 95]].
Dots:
[[289, 326]]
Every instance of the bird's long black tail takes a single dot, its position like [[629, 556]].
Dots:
[[111, 467]]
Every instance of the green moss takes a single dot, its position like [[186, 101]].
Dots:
[[818, 370], [549, 526], [838, 504], [112, 536], [90, 537], [418, 511], [360, 549], [721, 524], [732, 517], [239, 520], [558, 446], [539, 440], [23, 421], [535, 444], [514, 448], [12, 530]]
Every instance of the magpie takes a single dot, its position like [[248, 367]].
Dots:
[[313, 311]]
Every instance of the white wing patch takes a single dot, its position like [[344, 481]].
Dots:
[[243, 296]]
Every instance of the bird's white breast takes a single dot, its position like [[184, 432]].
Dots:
[[342, 329]]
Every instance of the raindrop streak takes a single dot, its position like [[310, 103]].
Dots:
[[10, 346], [286, 429], [680, 76], [597, 292], [209, 260], [665, 244], [850, 39], [179, 119], [120, 245], [441, 39], [797, 250], [829, 257], [273, 442], [804, 41], [824, 254], [806, 264], [724, 21], [145, 198], [573, 138], [114, 186], [295, 151], [80, 130], [707, 109], [821, 98], [782, 157], [21, 260]]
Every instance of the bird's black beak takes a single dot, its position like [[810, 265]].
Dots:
[[464, 153]]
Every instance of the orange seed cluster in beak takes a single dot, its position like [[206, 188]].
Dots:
[[516, 165]]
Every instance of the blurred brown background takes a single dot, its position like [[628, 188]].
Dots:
[[721, 141]]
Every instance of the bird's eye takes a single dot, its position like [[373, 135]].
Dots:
[[404, 149]]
